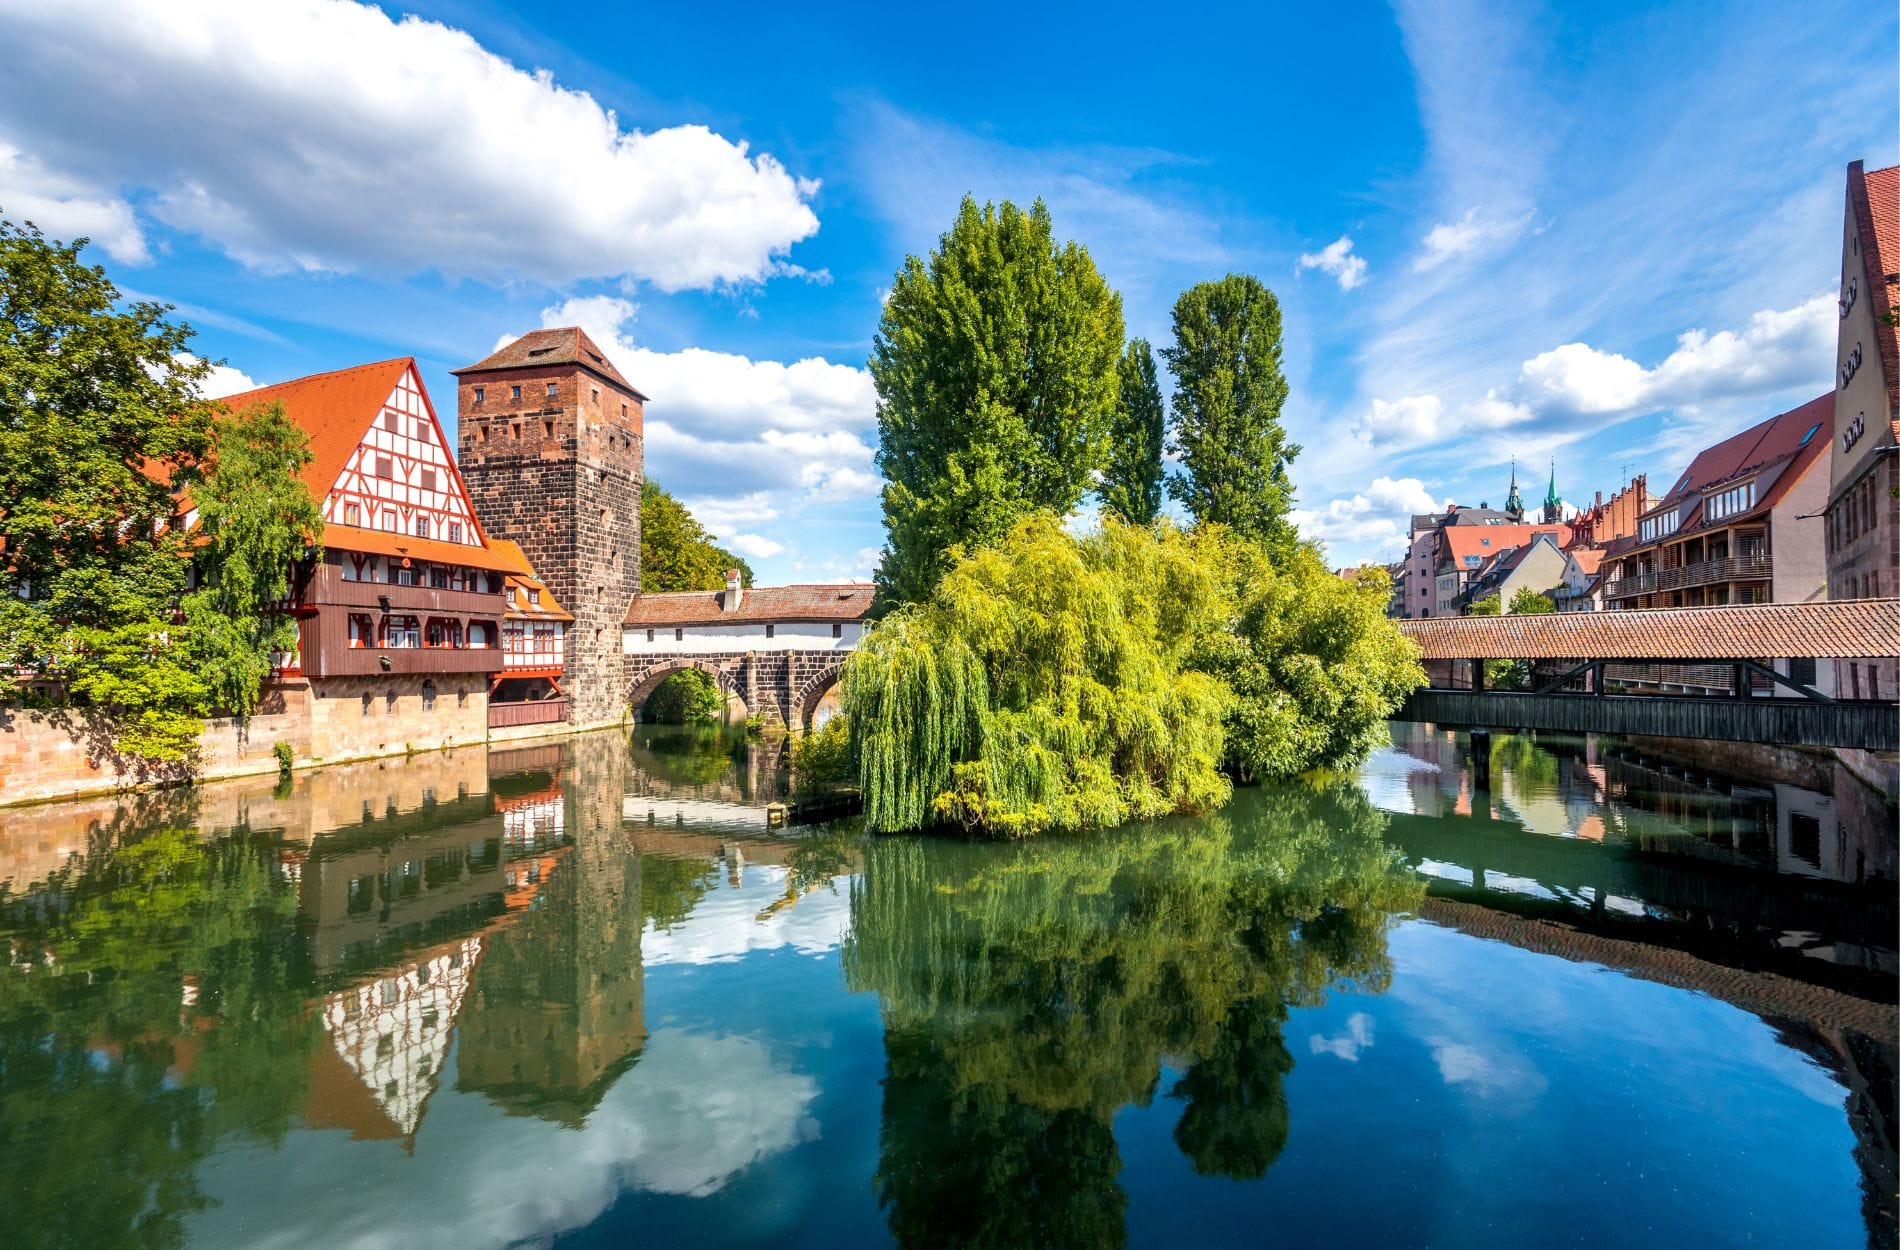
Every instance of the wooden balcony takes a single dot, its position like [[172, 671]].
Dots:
[[536, 712], [328, 589], [1744, 568], [327, 656]]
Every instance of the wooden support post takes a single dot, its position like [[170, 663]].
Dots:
[[1477, 676], [1480, 760]]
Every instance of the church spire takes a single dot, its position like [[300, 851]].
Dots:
[[1553, 504], [1514, 502]]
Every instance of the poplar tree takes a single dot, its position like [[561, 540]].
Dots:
[[1131, 482], [1225, 420], [995, 367]]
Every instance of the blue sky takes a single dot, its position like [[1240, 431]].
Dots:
[[1606, 235]]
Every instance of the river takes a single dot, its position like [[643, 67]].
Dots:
[[581, 994]]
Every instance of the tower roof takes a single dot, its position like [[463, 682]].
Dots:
[[1550, 496], [567, 345]]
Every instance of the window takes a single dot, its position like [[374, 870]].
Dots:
[[438, 577], [390, 523], [649, 635], [534, 598], [494, 583], [428, 696], [353, 514], [392, 421], [404, 574], [481, 392], [1730, 502], [428, 479], [769, 629], [594, 395], [547, 429], [401, 633], [514, 392], [445, 634], [455, 531], [1801, 669], [623, 410], [679, 635], [367, 703], [553, 390], [389, 706], [422, 527], [385, 469], [481, 635], [422, 429], [362, 632], [837, 630]]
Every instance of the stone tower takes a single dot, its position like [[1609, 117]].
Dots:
[[552, 451]]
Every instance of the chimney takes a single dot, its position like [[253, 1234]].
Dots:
[[734, 593]]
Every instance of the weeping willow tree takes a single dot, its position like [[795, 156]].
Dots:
[[1046, 683]]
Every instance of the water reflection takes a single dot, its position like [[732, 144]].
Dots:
[[580, 991], [1031, 992]]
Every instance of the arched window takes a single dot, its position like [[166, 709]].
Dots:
[[428, 696]]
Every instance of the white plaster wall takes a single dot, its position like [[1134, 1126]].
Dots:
[[709, 639]]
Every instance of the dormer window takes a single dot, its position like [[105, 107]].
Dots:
[[534, 598], [1731, 501]]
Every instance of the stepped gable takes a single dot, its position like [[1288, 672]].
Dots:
[[789, 604], [568, 345]]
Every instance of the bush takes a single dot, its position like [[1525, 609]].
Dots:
[[286, 758], [688, 697], [821, 760]]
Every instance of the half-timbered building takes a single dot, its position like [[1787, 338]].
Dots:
[[528, 690], [400, 620]]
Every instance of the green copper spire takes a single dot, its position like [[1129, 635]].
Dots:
[[1550, 496], [1514, 502]]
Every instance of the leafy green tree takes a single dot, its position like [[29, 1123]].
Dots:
[[99, 416], [1045, 684], [1527, 602], [1225, 422], [1489, 605], [688, 697], [1313, 664], [256, 519], [995, 367], [1131, 482], [676, 552]]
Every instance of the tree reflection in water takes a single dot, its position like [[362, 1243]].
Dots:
[[1031, 991]]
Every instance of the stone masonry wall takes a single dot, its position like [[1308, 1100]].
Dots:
[[352, 717], [560, 474]]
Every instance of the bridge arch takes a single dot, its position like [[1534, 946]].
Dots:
[[812, 691], [649, 679]]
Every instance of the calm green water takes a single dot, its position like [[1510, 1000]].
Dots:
[[580, 995]]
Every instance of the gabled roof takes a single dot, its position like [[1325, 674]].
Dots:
[[787, 604], [1588, 559], [519, 584], [568, 345], [436, 550], [1787, 436], [1875, 198], [1488, 540], [335, 409]]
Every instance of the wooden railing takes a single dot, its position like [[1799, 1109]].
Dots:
[[1741, 568], [536, 712], [1868, 725]]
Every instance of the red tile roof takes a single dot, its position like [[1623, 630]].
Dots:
[[789, 604], [1875, 199], [1781, 437], [334, 409], [383, 543], [568, 345], [1489, 540], [1839, 629], [1588, 559], [519, 584]]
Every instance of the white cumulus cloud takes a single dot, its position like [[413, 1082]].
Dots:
[[1379, 516], [1403, 422], [1469, 234], [323, 135], [1337, 259]]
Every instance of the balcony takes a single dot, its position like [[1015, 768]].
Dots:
[[1743, 568], [328, 589]]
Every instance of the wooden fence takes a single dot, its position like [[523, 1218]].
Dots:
[[1867, 726]]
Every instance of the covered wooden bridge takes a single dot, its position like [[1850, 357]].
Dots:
[[1771, 656]]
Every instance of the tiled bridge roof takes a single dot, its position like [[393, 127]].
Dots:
[[1844, 629]]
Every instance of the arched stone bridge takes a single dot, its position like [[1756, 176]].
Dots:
[[781, 686]]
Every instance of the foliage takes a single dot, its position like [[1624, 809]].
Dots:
[[1225, 423], [1314, 665], [995, 367], [1527, 602], [286, 758], [92, 1031], [1045, 684], [256, 518], [1032, 991], [821, 760], [1489, 605], [676, 552], [688, 697], [99, 413], [1131, 479]]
